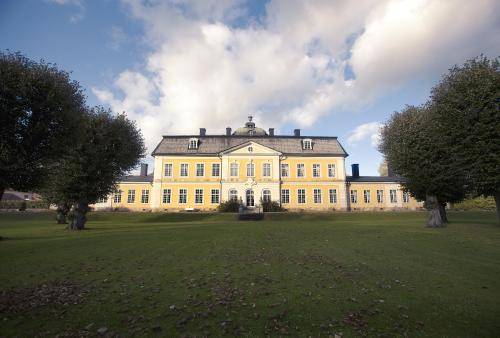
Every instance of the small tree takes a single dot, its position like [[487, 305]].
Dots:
[[109, 147], [467, 108], [41, 109], [411, 142]]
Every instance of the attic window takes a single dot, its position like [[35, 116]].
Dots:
[[193, 143], [307, 144]]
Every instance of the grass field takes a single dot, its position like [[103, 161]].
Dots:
[[351, 274]]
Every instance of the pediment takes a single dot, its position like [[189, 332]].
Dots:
[[250, 148]]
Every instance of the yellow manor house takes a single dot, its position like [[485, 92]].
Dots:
[[302, 173]]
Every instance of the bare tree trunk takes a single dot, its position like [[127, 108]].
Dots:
[[435, 219], [2, 189], [497, 204], [79, 219], [442, 211]]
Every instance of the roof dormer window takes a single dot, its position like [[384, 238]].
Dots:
[[307, 144], [193, 143]]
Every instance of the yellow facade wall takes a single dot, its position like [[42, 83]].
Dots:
[[174, 203], [310, 203], [386, 203], [308, 165]]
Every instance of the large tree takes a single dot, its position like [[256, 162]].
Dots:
[[109, 146], [412, 144], [41, 110], [466, 106]]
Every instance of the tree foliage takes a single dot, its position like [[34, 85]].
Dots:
[[40, 111]]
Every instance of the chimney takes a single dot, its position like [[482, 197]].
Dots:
[[228, 131], [355, 170], [203, 131], [296, 132], [271, 131], [144, 169]]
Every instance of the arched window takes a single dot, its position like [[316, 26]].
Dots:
[[193, 143], [233, 195], [250, 198], [266, 195]]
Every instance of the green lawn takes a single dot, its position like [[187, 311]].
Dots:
[[299, 275]]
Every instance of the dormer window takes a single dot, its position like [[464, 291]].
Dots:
[[307, 144], [193, 143]]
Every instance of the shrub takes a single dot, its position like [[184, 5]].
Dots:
[[23, 206], [271, 206], [478, 203], [229, 206]]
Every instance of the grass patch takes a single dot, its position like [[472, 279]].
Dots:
[[147, 274]]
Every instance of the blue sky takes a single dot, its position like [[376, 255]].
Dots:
[[337, 68]]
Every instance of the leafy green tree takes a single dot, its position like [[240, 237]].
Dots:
[[466, 106], [412, 144], [109, 147], [41, 109]]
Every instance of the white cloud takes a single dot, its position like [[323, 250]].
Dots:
[[79, 4], [117, 38], [365, 131], [203, 70]]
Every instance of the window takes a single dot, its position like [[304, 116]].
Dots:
[[131, 196], [354, 196], [393, 195], [233, 195], [333, 195], [193, 143], [184, 169], [317, 195], [285, 196], [198, 196], [234, 169], [307, 144], [366, 196], [266, 195], [167, 195], [301, 172], [118, 197], [145, 196], [102, 200], [250, 169], [301, 196], [215, 169], [316, 170], [380, 196], [266, 170], [284, 170], [250, 198], [168, 169], [182, 196], [406, 197], [215, 196], [200, 169], [331, 170]]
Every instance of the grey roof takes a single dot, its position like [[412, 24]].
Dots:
[[381, 179], [214, 144], [137, 178], [7, 196]]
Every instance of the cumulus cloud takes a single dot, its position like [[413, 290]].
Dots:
[[210, 65], [79, 4], [365, 131]]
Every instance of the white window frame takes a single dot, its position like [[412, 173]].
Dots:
[[303, 166], [332, 170], [307, 144], [316, 170], [366, 196], [250, 169], [198, 166], [193, 143], [285, 168], [380, 196], [393, 194], [186, 166], [198, 194], [216, 165], [406, 197], [171, 166], [167, 196], [215, 196], [235, 166], [131, 196], [354, 196], [285, 196], [185, 195], [233, 194], [266, 193], [117, 198], [332, 194], [317, 198], [144, 196], [266, 170], [299, 195]]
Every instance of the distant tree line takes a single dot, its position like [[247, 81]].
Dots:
[[51, 142], [449, 147]]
